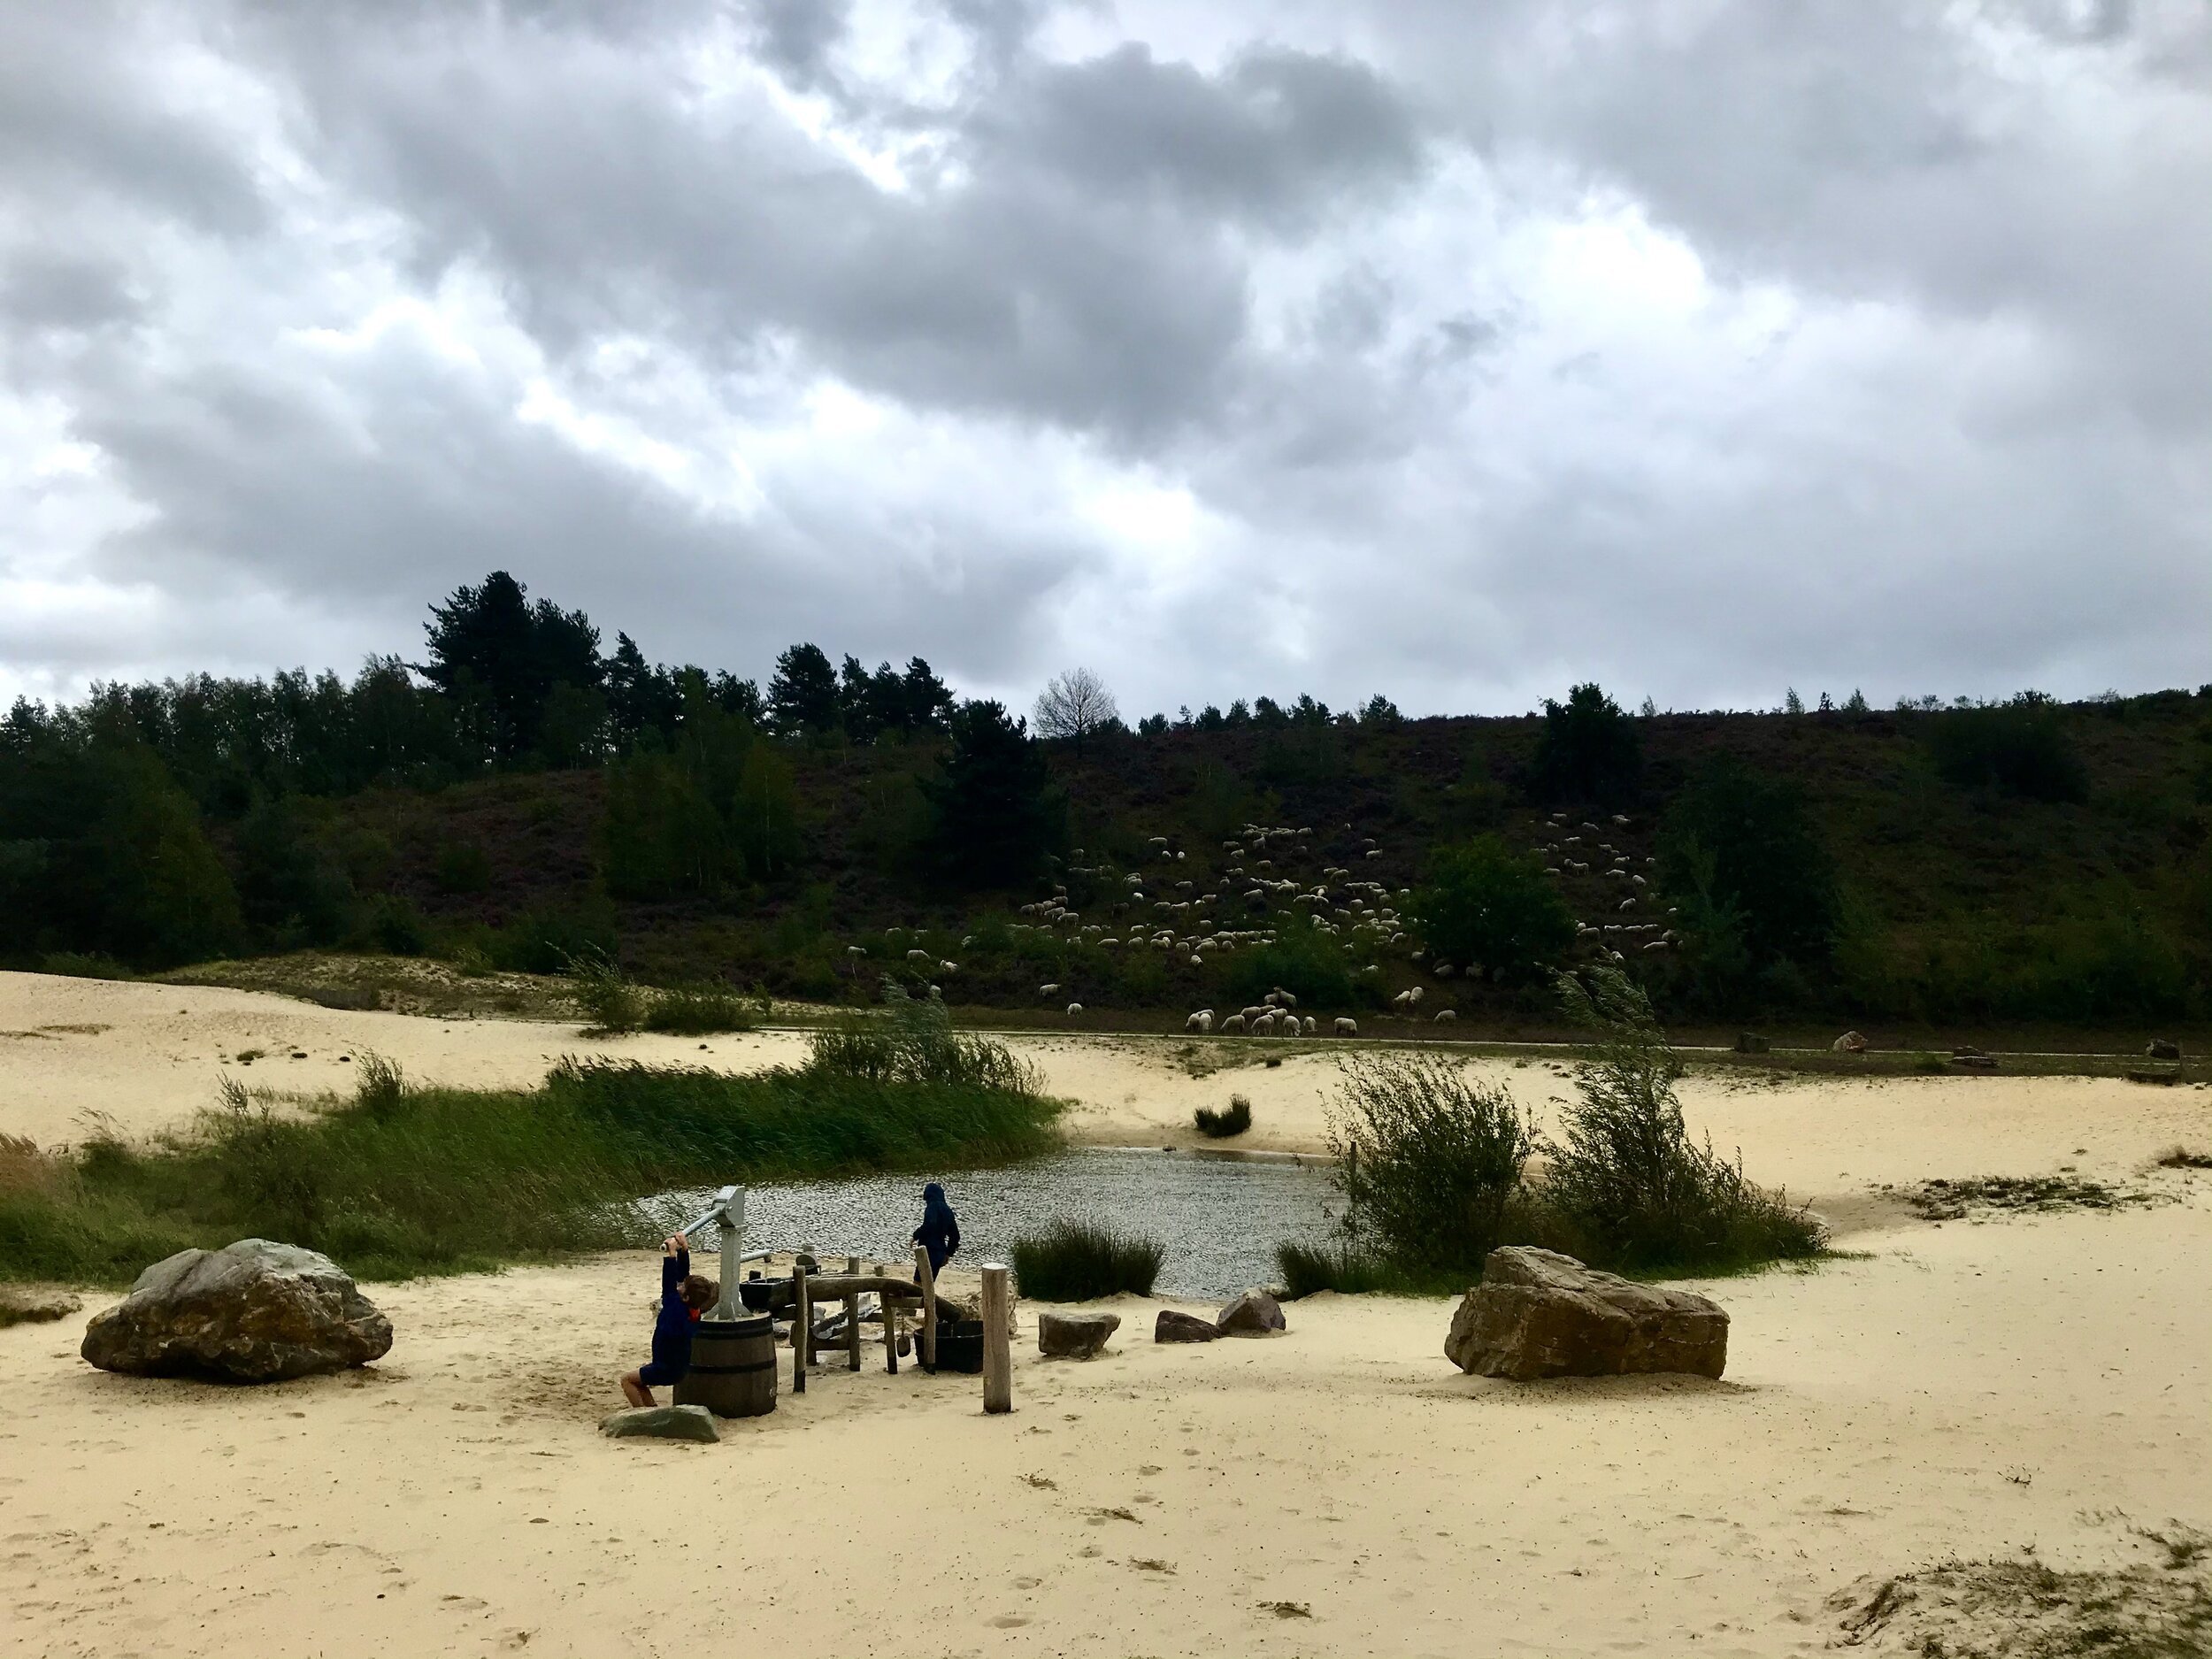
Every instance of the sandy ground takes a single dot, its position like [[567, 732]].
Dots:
[[1960, 1390]]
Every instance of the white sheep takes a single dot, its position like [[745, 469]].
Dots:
[[1309, 1025], [1202, 1022], [1344, 1027], [1289, 999], [948, 967], [1074, 1009], [1234, 1025], [918, 955], [1047, 990]]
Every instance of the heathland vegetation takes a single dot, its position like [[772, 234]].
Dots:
[[525, 800]]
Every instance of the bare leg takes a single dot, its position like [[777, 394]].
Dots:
[[636, 1392]]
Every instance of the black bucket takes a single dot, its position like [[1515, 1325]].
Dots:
[[960, 1345]]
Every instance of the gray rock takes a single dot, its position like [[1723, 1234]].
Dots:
[[36, 1304], [2162, 1048], [662, 1423], [1074, 1336], [253, 1312], [1254, 1313], [1541, 1314], [1850, 1043], [1172, 1326]]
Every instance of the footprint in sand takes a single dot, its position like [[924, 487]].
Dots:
[[1009, 1621]]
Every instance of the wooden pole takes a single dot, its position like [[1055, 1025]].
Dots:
[[928, 1282], [802, 1328], [998, 1359], [890, 1335], [852, 1316]]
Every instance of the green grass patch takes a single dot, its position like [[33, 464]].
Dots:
[[1078, 1260], [397, 1181], [701, 1011]]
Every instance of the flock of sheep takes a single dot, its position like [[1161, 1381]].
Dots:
[[1258, 887]]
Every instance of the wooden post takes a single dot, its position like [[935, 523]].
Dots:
[[928, 1282], [852, 1316], [801, 1330], [998, 1359], [890, 1332]]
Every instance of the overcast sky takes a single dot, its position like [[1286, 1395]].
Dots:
[[1454, 350]]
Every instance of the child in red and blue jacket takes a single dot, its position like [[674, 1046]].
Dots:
[[683, 1297]]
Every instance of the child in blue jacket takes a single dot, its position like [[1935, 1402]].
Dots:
[[683, 1297]]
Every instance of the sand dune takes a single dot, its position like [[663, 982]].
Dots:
[[1957, 1391]]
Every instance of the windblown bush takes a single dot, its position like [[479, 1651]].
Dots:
[[1428, 1160], [1080, 1261], [913, 1042], [1626, 1182], [610, 1001], [699, 1011], [1221, 1125]]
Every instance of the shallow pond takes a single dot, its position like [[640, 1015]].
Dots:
[[1220, 1219]]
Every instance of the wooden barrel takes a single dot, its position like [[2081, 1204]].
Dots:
[[732, 1368]]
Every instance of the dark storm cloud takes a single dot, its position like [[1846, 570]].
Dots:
[[1450, 350]]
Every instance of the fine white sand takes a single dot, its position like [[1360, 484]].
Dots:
[[1962, 1390]]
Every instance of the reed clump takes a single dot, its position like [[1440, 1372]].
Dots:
[[1081, 1261]]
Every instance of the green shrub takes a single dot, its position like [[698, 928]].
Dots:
[[913, 1042], [697, 1011], [2021, 749], [1222, 1125], [1304, 960], [1588, 751], [1427, 1159], [1627, 1183], [1076, 1261], [1485, 906], [1308, 1268], [1740, 854]]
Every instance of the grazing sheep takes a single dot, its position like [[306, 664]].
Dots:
[[1272, 999], [937, 992], [1308, 1026], [1202, 1022], [1444, 970], [1074, 1009], [1232, 1025], [948, 967], [1198, 962], [1289, 999], [918, 955], [1047, 990], [1344, 1027], [1625, 904], [1443, 1014]]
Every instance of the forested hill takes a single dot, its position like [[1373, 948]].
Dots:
[[528, 798]]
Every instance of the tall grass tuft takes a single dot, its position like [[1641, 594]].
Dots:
[[1080, 1261], [1222, 1125], [913, 1042], [1626, 1182], [610, 1001]]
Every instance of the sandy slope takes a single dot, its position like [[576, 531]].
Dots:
[[1962, 1390]]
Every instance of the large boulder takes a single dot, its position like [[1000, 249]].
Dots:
[[1074, 1336], [1254, 1313], [1172, 1326], [2161, 1049], [253, 1312], [662, 1423], [1541, 1314]]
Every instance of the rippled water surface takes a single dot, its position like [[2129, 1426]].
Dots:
[[1220, 1220]]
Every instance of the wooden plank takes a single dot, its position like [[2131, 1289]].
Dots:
[[998, 1359]]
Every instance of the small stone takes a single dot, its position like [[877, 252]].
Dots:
[[1074, 1336], [1254, 1313], [1850, 1043], [36, 1304], [662, 1423], [2162, 1048], [1172, 1326]]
